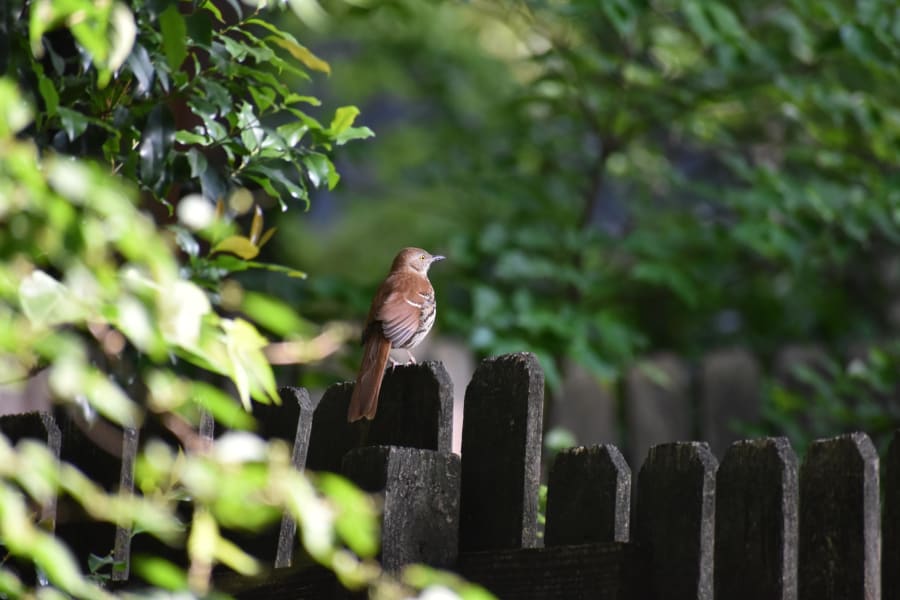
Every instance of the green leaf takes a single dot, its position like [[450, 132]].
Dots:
[[293, 98], [320, 170], [292, 132], [301, 53], [174, 36], [199, 27], [211, 7], [46, 301], [197, 162], [353, 133], [263, 97], [55, 559], [279, 177], [47, 90], [273, 314], [189, 137], [230, 554], [355, 522], [10, 585], [155, 147], [222, 406], [343, 118], [233, 264], [15, 112], [237, 245], [249, 369], [73, 122], [160, 572], [251, 131]]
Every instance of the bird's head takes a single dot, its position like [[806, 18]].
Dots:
[[416, 259]]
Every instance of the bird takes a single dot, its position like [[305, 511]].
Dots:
[[401, 315]]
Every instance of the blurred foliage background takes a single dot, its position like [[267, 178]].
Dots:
[[611, 179]]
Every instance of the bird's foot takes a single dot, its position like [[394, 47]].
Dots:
[[412, 359]]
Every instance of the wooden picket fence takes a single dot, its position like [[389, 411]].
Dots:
[[757, 525]]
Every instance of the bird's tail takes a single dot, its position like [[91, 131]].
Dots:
[[364, 400]]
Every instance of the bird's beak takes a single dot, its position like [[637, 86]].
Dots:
[[434, 259]]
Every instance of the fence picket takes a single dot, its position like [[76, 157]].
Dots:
[[420, 519], [588, 497], [674, 520], [890, 543], [501, 454], [415, 410], [839, 520], [757, 493]]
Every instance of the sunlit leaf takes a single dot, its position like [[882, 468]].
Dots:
[[353, 133], [354, 522], [15, 113], [237, 245], [302, 53], [222, 406], [343, 118], [46, 301], [159, 572], [182, 308], [273, 314]]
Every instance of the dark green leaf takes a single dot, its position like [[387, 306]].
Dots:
[[156, 144], [47, 90], [199, 28], [318, 168], [140, 65], [74, 123], [174, 36], [197, 162]]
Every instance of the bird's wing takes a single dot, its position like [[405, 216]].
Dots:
[[400, 313]]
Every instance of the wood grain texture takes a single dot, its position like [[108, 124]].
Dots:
[[674, 520], [588, 497], [501, 453], [840, 529], [607, 571], [757, 497]]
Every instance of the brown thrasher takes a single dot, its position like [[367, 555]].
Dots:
[[401, 315]]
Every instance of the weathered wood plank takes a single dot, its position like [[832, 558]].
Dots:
[[607, 571], [40, 426], [890, 547], [840, 535], [420, 522], [291, 422], [501, 453], [588, 497], [122, 545], [757, 495], [675, 520], [97, 447], [415, 410]]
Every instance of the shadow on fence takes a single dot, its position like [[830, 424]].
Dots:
[[756, 525]]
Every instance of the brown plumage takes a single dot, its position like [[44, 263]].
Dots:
[[401, 315]]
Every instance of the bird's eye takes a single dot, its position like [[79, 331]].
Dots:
[[422, 257]]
